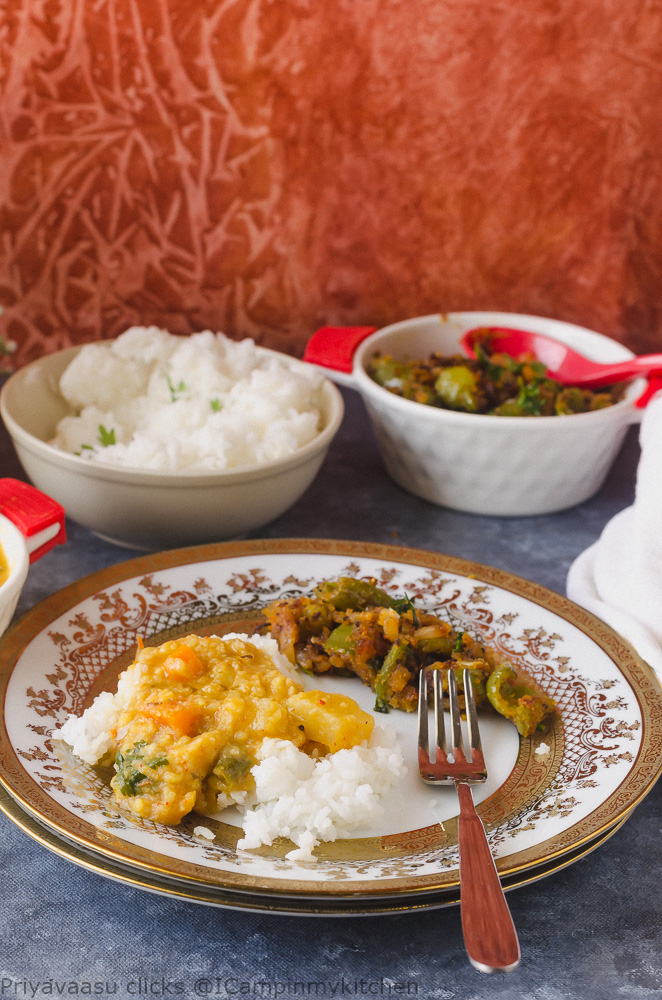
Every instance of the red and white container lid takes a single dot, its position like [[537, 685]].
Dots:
[[38, 517]]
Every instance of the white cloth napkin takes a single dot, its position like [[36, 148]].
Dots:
[[619, 577]]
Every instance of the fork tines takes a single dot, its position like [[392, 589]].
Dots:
[[442, 769]]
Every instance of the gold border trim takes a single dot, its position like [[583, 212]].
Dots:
[[643, 774], [272, 903]]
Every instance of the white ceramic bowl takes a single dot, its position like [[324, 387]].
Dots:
[[34, 527], [17, 556], [146, 509], [503, 466]]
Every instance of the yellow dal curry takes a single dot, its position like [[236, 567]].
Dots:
[[199, 710], [4, 566]]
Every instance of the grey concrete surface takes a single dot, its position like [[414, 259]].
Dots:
[[592, 931]]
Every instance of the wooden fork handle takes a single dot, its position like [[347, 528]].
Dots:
[[489, 932]]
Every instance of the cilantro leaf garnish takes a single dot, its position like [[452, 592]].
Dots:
[[158, 762], [530, 400], [493, 370], [176, 391], [403, 604], [128, 776], [105, 437]]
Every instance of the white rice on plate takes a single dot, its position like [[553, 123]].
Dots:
[[153, 400], [310, 801], [296, 796]]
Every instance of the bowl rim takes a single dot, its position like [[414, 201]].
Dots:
[[179, 478], [19, 569], [369, 387]]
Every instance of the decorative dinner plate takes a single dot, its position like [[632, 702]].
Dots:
[[213, 895], [547, 797]]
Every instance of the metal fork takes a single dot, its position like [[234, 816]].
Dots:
[[490, 937]]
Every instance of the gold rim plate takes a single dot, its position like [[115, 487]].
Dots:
[[271, 903], [559, 793]]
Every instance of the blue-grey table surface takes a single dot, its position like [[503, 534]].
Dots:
[[592, 930]]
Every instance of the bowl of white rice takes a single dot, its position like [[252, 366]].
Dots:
[[156, 441]]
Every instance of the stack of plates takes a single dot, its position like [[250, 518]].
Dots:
[[550, 799]]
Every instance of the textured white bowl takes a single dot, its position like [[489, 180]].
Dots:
[[146, 509], [503, 466]]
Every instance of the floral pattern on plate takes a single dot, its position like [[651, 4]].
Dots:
[[549, 795]]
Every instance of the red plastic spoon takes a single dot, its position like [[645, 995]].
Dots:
[[563, 363]]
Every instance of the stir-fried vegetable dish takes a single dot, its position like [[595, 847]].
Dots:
[[350, 626], [494, 383]]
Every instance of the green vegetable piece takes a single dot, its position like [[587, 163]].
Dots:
[[530, 401], [521, 704], [421, 393], [533, 400], [458, 388], [600, 400], [215, 404], [575, 400], [441, 646], [349, 594], [388, 372], [339, 640], [106, 438], [510, 408], [498, 369], [396, 657], [129, 777], [232, 765], [570, 400], [478, 672]]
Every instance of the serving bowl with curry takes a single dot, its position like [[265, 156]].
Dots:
[[493, 463]]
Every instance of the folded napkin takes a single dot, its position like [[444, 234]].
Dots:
[[619, 577]]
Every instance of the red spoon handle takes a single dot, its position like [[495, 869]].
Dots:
[[489, 933], [647, 362], [334, 346], [654, 386], [641, 366]]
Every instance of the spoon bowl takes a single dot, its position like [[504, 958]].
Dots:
[[563, 364]]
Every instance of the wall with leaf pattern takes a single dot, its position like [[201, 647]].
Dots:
[[267, 166]]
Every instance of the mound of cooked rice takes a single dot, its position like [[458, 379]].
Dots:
[[152, 400], [304, 799], [310, 801]]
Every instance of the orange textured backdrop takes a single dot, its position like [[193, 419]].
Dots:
[[266, 166]]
